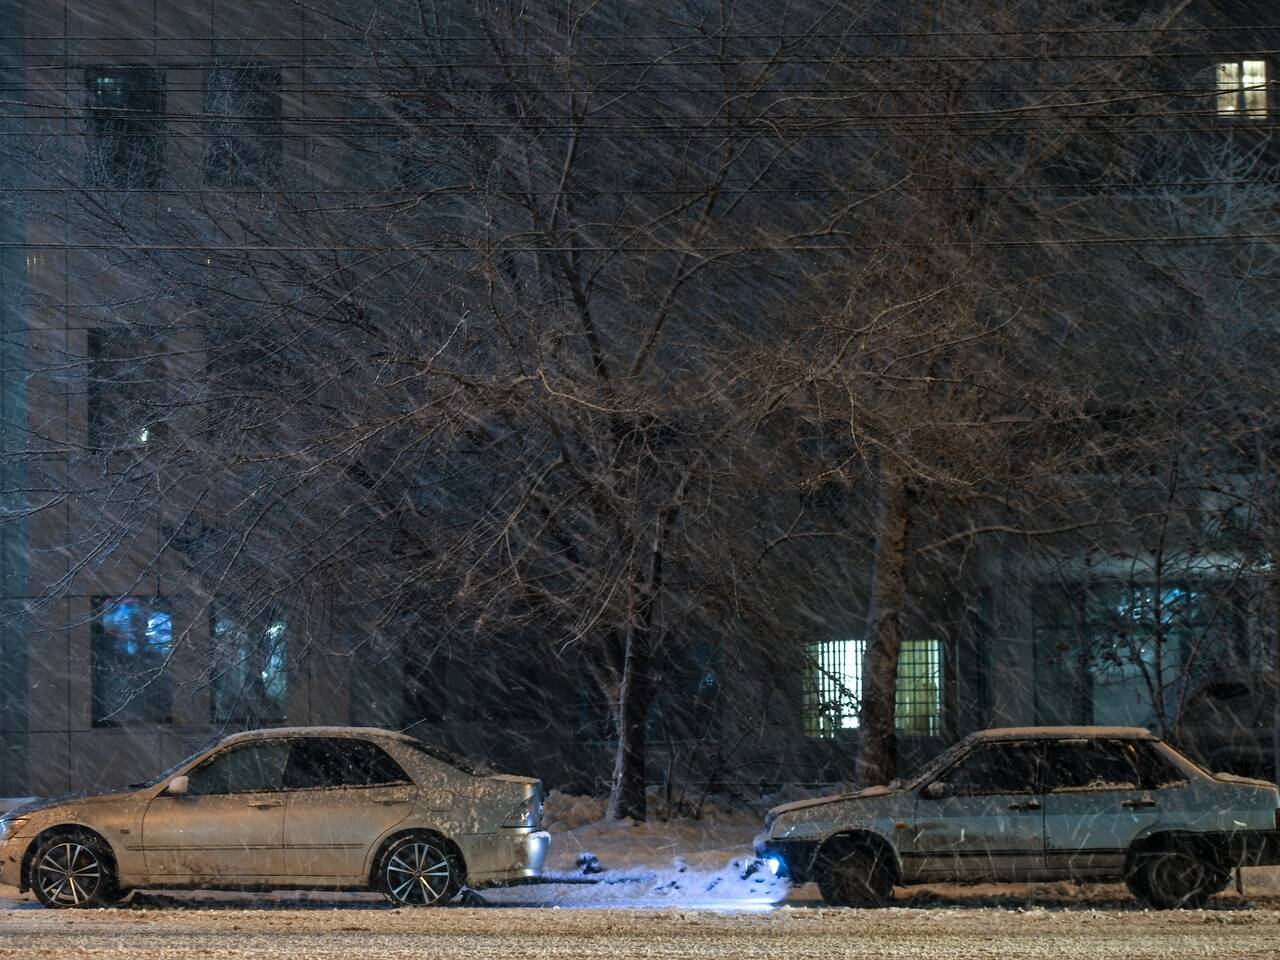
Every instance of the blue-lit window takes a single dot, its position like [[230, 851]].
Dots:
[[250, 666], [132, 641]]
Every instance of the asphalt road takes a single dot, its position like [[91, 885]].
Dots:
[[1233, 930]]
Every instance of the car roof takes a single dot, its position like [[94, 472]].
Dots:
[[1064, 733], [377, 733]]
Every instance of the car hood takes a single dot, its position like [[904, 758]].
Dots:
[[79, 797], [867, 793]]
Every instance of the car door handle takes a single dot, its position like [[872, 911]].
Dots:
[[264, 804], [1025, 805], [1134, 804]]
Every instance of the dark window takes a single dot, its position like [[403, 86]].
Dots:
[[132, 639], [250, 656], [1092, 765], [1155, 768], [996, 768], [125, 140], [125, 405], [324, 762], [255, 767], [243, 146]]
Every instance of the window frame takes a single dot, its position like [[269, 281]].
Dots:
[[230, 748], [332, 742], [132, 132], [1140, 779], [1038, 783], [222, 610], [1235, 86], [100, 606]]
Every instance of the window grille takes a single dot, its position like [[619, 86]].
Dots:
[[1242, 88], [833, 687]]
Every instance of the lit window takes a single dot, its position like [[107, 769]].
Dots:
[[833, 688], [132, 640], [1242, 88], [250, 657]]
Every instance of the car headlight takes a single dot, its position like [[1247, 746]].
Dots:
[[9, 826], [526, 815]]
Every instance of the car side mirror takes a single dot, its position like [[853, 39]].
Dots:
[[937, 790], [177, 786]]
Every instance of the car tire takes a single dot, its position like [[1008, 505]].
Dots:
[[420, 870], [1172, 878], [74, 870], [854, 877]]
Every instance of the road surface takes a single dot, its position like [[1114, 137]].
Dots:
[[244, 930]]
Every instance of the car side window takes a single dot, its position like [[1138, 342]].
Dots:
[[995, 768], [1157, 770], [340, 762], [254, 767], [1084, 765]]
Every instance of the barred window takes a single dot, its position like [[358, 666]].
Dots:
[[833, 687]]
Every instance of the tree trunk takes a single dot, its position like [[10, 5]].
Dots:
[[626, 795], [877, 758], [1274, 678]]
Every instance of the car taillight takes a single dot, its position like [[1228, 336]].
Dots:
[[526, 815]]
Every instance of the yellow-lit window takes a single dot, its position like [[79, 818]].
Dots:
[[1242, 88], [833, 687]]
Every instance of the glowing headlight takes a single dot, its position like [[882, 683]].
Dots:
[[773, 864]]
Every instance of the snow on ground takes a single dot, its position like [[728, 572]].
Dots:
[[815, 934]]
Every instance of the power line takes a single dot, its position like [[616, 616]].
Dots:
[[729, 189], [831, 247], [558, 60]]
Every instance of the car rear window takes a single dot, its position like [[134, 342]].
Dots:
[[1081, 765], [450, 759], [340, 762]]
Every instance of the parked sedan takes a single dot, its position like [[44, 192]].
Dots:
[[1049, 803], [340, 808]]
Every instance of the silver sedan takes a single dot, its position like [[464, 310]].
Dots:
[[308, 807]]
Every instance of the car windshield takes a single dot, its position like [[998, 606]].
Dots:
[[930, 769], [452, 759]]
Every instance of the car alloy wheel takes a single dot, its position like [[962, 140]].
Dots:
[[419, 872], [70, 873]]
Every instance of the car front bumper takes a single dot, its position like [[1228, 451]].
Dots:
[[794, 858], [508, 856], [11, 852]]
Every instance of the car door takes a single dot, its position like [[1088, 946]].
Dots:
[[1099, 800], [981, 818], [344, 794], [228, 826]]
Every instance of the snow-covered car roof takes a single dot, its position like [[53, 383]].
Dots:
[[1064, 733], [376, 732]]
